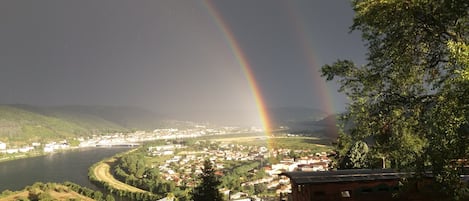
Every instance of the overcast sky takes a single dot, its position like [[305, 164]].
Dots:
[[170, 55]]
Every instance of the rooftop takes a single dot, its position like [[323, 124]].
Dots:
[[342, 176]]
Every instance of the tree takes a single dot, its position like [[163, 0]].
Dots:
[[109, 197], [410, 97], [207, 190], [356, 157], [260, 188], [97, 195]]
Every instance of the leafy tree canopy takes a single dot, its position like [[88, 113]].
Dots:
[[356, 157], [411, 97]]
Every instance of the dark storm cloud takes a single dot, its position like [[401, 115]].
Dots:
[[114, 52], [163, 55], [268, 34]]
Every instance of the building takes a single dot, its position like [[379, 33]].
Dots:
[[3, 146], [358, 184]]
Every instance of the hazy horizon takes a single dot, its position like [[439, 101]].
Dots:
[[228, 117]]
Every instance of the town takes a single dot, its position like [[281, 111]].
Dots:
[[248, 167], [185, 163], [118, 139]]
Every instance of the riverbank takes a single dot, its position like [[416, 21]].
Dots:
[[10, 157], [67, 165], [31, 154], [100, 175], [17, 156]]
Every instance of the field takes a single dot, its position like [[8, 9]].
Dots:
[[280, 141]]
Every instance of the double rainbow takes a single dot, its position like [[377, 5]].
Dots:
[[306, 43], [243, 63]]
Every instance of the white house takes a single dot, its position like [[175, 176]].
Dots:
[[26, 149], [3, 146], [12, 151], [48, 149]]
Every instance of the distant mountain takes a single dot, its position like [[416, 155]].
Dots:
[[25, 123], [329, 125], [108, 116], [297, 118], [280, 116], [305, 121], [20, 125], [330, 120], [294, 116], [80, 118]]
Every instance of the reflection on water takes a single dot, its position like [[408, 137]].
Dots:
[[57, 167]]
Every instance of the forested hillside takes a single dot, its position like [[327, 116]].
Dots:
[[20, 124]]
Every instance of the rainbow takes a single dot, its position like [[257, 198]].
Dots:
[[244, 64], [306, 43]]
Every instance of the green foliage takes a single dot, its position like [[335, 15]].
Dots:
[[48, 192], [109, 198], [236, 172], [132, 169], [260, 188], [208, 186], [356, 157], [410, 98], [21, 125], [138, 196], [134, 164], [44, 196], [24, 126]]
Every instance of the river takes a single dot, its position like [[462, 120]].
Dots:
[[56, 167]]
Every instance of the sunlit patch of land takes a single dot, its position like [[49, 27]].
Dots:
[[277, 141], [103, 173], [59, 192]]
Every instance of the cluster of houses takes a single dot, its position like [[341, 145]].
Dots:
[[5, 150], [133, 139], [197, 131], [35, 146], [201, 129], [183, 166], [129, 139], [54, 146]]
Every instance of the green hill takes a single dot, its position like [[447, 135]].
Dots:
[[107, 116], [21, 124], [18, 125]]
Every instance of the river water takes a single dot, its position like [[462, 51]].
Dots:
[[57, 167]]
